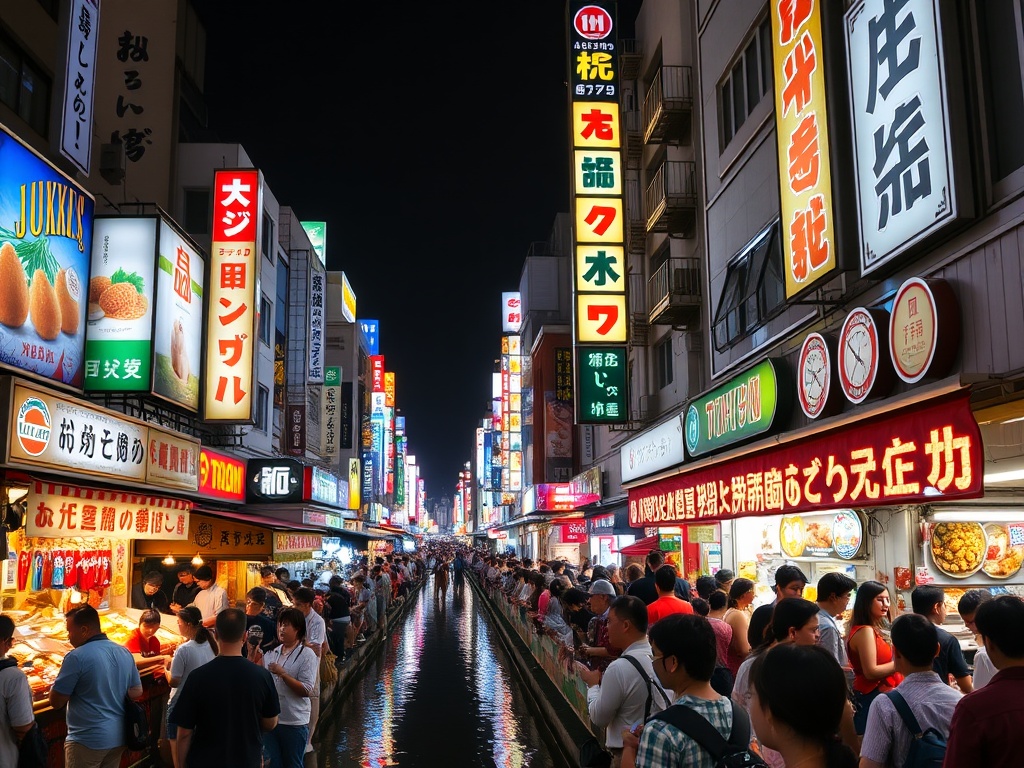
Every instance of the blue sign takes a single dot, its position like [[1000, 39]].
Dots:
[[371, 332], [45, 253], [367, 462], [377, 429]]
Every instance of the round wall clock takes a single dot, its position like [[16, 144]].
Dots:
[[815, 374], [862, 350]]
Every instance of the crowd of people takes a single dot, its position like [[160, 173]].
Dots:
[[795, 682]]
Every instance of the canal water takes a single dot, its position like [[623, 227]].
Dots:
[[440, 692]]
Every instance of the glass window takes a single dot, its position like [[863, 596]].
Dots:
[[726, 113], [753, 75], [1000, 35], [765, 55], [268, 237], [262, 404], [754, 289], [739, 104], [197, 211], [663, 356], [266, 319], [24, 88], [748, 81]]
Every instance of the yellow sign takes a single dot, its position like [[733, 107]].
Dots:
[[389, 389], [354, 484], [348, 300], [599, 220], [600, 268], [601, 318], [805, 176], [297, 542], [595, 124], [598, 172]]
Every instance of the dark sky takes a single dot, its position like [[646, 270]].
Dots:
[[432, 139]]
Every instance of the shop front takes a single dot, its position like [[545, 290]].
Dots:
[[608, 534]]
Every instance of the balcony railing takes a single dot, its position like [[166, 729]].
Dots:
[[674, 291], [670, 200], [668, 105]]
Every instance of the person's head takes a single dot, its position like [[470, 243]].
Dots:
[[968, 606], [741, 593], [602, 592], [655, 559], [930, 602], [665, 580], [359, 580], [291, 626], [724, 579], [307, 583], [6, 634], [633, 572], [185, 575], [575, 599], [834, 592], [557, 566], [759, 634], [149, 623], [190, 619], [282, 575], [335, 583], [600, 572], [152, 582], [267, 575], [613, 572], [558, 586], [700, 606], [718, 600], [303, 599], [795, 620], [230, 625], [82, 622], [789, 582], [1000, 623], [255, 601], [779, 710], [627, 621], [915, 642], [871, 605], [204, 575], [684, 650], [706, 585], [294, 584]]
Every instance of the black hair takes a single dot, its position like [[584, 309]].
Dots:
[[655, 558], [231, 625], [822, 682], [717, 600], [706, 585], [866, 594], [575, 596], [789, 574], [723, 576], [558, 586], [916, 639], [700, 606], [294, 585], [183, 568], [690, 639], [739, 588], [834, 584], [193, 617], [257, 595], [665, 578], [599, 572], [149, 616], [307, 583], [335, 581], [282, 573], [267, 570], [759, 628], [631, 609], [295, 618], [1001, 622], [84, 616], [971, 600], [6, 627], [924, 599], [790, 613], [153, 579]]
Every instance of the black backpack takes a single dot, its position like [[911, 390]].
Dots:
[[927, 747], [732, 753]]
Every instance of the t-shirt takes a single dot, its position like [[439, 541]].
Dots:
[[269, 631], [184, 594], [97, 676], [950, 659], [189, 656], [339, 603], [723, 639], [316, 635], [15, 709], [211, 601], [142, 601], [644, 589], [666, 605], [222, 704], [302, 664], [142, 645]]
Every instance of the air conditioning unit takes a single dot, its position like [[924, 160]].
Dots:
[[112, 162]]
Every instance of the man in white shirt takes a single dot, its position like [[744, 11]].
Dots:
[[621, 697], [886, 738], [316, 638], [211, 598]]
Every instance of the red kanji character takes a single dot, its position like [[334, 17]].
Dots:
[[180, 527], [222, 385], [608, 311], [792, 15], [44, 516], [163, 456], [125, 521], [233, 274], [89, 517], [107, 519], [231, 349], [799, 66], [605, 213], [807, 239], [804, 155], [158, 520], [183, 276], [67, 516], [231, 316], [598, 125], [142, 521]]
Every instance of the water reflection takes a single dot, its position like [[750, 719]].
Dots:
[[438, 693]]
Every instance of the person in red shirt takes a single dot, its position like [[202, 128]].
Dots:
[[667, 602], [986, 724], [143, 643]]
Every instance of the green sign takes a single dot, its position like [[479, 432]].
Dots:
[[332, 376], [603, 394], [738, 410], [670, 542], [317, 233]]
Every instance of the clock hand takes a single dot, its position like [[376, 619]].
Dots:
[[849, 344]]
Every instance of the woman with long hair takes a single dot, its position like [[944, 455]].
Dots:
[[799, 720], [741, 595], [615, 577], [555, 618], [869, 649], [199, 647]]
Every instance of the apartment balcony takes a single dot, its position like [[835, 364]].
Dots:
[[631, 56], [639, 326], [670, 201], [633, 140], [674, 293], [636, 225], [668, 106]]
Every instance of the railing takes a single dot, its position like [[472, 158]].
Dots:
[[678, 276], [672, 88], [675, 180]]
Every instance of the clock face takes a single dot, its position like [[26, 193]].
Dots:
[[815, 375], [858, 355]]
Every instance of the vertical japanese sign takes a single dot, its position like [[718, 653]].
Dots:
[[901, 126], [348, 300], [801, 129], [330, 411], [599, 268], [377, 373], [353, 483], [295, 429], [316, 231], [231, 326], [371, 332], [511, 312], [178, 337], [345, 415], [602, 384], [316, 327], [514, 449], [79, 79]]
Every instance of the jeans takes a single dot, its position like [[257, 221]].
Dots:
[[286, 745], [861, 704]]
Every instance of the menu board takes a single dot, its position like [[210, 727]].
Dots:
[[831, 535], [958, 552]]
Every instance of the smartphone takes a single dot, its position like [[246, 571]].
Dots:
[[636, 727]]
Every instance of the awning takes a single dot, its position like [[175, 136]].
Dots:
[[360, 534], [273, 523], [640, 548]]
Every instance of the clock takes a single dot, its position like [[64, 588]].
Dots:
[[815, 374], [862, 350]]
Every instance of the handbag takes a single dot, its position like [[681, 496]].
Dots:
[[593, 755], [33, 749], [328, 668], [136, 726]]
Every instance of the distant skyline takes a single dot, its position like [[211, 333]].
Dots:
[[434, 144]]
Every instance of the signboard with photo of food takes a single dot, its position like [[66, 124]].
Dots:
[[831, 535], [982, 552]]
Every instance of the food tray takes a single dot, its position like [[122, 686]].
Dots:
[[958, 549]]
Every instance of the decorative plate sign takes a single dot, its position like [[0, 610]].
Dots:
[[861, 350], [815, 374], [924, 330]]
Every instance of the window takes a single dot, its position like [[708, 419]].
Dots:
[[663, 358], [267, 242], [1000, 38], [748, 80], [23, 87], [197, 211], [754, 289], [262, 402], [266, 319]]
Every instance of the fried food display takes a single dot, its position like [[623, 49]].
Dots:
[[1002, 558], [13, 288], [958, 549]]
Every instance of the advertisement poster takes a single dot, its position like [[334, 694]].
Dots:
[[177, 340], [118, 355], [45, 247]]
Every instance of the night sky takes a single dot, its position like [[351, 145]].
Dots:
[[432, 139]]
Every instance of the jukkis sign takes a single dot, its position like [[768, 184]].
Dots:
[[921, 454]]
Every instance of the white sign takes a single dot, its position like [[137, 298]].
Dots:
[[316, 328], [79, 77], [511, 312], [660, 447], [324, 487], [901, 126]]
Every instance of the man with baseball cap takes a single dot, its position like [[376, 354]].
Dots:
[[789, 582], [599, 649]]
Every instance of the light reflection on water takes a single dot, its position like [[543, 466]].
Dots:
[[438, 693]]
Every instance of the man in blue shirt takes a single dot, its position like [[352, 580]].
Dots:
[[93, 681]]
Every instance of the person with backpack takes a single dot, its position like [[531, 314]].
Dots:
[[922, 704]]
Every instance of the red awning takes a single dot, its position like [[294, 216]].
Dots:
[[642, 547]]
